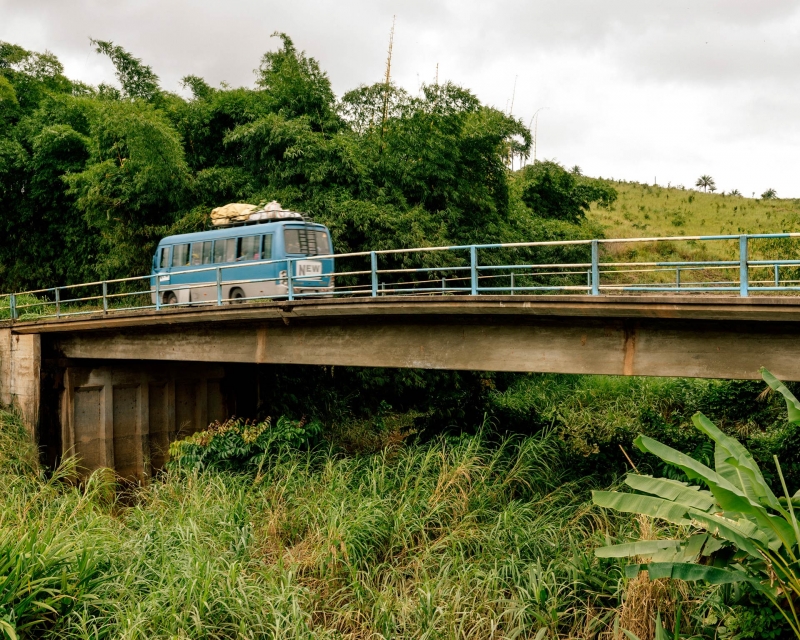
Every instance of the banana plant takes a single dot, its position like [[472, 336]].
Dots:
[[738, 530]]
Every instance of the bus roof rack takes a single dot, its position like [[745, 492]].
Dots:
[[270, 213]]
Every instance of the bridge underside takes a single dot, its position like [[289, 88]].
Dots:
[[718, 339], [108, 395]]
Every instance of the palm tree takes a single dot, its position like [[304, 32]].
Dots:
[[735, 192], [705, 182], [576, 170], [769, 194]]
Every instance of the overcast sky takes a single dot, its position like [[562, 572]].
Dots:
[[633, 89]]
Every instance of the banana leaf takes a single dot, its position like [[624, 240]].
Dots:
[[672, 490], [689, 572], [647, 505], [691, 467], [735, 464], [745, 535], [641, 548], [792, 404]]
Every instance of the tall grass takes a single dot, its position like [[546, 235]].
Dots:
[[470, 536], [458, 538]]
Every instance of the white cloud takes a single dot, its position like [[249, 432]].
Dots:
[[635, 89]]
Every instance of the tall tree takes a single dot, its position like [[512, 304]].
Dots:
[[137, 79]]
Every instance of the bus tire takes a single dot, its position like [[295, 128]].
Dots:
[[169, 298], [236, 296]]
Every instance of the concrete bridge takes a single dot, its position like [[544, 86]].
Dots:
[[115, 389]]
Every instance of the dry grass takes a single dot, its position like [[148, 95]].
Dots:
[[645, 598]]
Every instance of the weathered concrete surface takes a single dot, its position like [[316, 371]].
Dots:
[[124, 416], [715, 337], [20, 370]]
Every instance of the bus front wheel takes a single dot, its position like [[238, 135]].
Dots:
[[170, 298], [236, 296]]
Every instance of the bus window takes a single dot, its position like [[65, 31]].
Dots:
[[267, 253], [207, 252], [180, 255], [230, 249], [249, 248], [302, 241], [291, 240], [219, 251], [163, 263], [323, 246], [225, 250], [197, 253]]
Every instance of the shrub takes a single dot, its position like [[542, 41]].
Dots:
[[241, 445]]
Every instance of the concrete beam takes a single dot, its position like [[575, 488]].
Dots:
[[648, 347]]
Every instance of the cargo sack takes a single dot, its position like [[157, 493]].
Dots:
[[234, 212]]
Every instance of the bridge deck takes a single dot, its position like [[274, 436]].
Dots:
[[676, 307], [694, 336]]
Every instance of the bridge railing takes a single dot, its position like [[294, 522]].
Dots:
[[745, 265]]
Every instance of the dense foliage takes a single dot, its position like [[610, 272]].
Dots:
[[553, 192], [92, 177], [734, 530]]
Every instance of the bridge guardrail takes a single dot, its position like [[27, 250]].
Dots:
[[456, 270]]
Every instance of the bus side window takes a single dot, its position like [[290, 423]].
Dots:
[[249, 248], [207, 252], [230, 249], [219, 251], [163, 262], [180, 255], [197, 253], [266, 254]]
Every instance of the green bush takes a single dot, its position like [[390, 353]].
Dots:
[[241, 445]]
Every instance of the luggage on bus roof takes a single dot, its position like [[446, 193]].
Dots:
[[240, 212]]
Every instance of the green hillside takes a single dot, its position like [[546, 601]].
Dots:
[[653, 211]]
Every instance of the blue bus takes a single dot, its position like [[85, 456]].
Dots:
[[244, 261]]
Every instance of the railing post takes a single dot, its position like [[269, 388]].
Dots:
[[444, 284], [158, 292], [512, 283], [219, 286], [105, 297], [373, 262], [473, 267], [289, 284], [12, 306], [777, 277], [744, 276], [58, 303], [595, 269], [678, 277]]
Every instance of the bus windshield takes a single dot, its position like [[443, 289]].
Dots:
[[311, 242]]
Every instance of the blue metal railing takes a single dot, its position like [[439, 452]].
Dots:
[[459, 271]]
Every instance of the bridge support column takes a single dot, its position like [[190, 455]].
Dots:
[[20, 373], [123, 415]]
